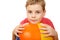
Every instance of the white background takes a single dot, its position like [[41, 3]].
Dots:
[[12, 12]]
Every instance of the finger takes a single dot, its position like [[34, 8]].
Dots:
[[17, 31], [16, 34], [20, 29], [20, 26], [45, 32], [44, 25], [45, 29], [25, 24], [48, 35]]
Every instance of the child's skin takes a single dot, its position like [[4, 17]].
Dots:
[[34, 14]]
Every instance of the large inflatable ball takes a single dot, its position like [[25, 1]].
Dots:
[[32, 32]]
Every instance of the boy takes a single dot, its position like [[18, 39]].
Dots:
[[35, 13]]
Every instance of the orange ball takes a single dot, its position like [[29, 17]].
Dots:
[[31, 32]]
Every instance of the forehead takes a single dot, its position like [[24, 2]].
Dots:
[[34, 7]]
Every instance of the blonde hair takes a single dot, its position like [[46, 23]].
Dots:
[[31, 2]]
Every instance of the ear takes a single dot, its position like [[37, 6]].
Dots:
[[44, 12]]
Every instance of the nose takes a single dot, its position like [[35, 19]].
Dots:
[[33, 15]]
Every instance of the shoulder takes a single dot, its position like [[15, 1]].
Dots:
[[24, 21], [47, 21]]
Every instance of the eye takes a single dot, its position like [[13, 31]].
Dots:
[[29, 11], [37, 12]]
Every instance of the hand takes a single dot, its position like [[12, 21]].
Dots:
[[19, 29], [48, 30]]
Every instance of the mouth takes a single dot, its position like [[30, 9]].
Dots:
[[33, 20]]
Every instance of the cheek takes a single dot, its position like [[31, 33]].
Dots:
[[39, 16], [28, 15]]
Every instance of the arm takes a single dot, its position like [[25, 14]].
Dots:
[[13, 36], [56, 37], [14, 33], [48, 22], [49, 31]]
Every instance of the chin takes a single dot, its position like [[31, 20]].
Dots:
[[34, 22]]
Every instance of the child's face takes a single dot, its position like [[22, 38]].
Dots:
[[35, 13]]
